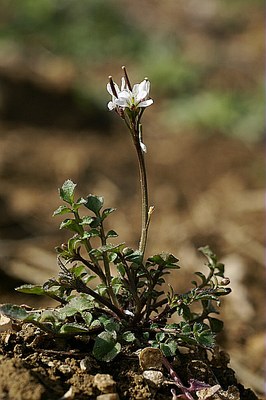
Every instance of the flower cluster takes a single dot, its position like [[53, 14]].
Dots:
[[129, 102], [128, 96]]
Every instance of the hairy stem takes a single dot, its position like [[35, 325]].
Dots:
[[81, 287], [107, 270], [144, 193]]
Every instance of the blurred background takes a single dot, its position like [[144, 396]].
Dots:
[[204, 136]]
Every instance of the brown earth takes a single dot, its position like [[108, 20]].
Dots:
[[206, 190], [35, 367]]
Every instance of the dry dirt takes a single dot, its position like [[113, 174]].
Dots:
[[206, 190], [34, 366]]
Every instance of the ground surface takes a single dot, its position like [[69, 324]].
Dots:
[[35, 367], [205, 63], [206, 191]]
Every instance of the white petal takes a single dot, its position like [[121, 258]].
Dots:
[[135, 90], [111, 105], [143, 90], [123, 84], [124, 99], [145, 86], [145, 103], [109, 88], [125, 94]]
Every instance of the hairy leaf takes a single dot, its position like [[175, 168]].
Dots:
[[94, 203], [106, 347], [67, 191]]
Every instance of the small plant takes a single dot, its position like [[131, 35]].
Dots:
[[113, 293]]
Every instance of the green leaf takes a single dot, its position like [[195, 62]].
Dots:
[[62, 210], [95, 324], [116, 284], [78, 270], [72, 244], [66, 311], [81, 303], [145, 335], [31, 289], [87, 278], [70, 224], [128, 336], [121, 269], [14, 312], [135, 257], [87, 220], [94, 203], [216, 324], [90, 234], [49, 315], [160, 336], [72, 329], [185, 328], [110, 247], [185, 312], [107, 212], [203, 335], [67, 191], [165, 260], [211, 257], [87, 316], [106, 347], [111, 234], [202, 277], [112, 257], [169, 348], [109, 324]]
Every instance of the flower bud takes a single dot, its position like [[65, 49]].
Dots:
[[225, 281]]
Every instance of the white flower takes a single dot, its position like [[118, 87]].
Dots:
[[137, 98], [112, 104]]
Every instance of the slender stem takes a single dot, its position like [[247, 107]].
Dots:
[[107, 270], [176, 379], [144, 193], [131, 283], [95, 267], [81, 287]]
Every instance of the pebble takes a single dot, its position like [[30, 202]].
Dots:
[[105, 383], [205, 393], [108, 396], [5, 323], [65, 369], [85, 364], [150, 358], [154, 378]]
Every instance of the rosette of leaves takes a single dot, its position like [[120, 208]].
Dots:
[[110, 293]]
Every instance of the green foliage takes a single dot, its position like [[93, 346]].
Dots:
[[129, 308], [106, 346], [75, 29]]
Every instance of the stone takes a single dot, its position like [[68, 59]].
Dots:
[[104, 382], [153, 378], [108, 396], [151, 358]]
